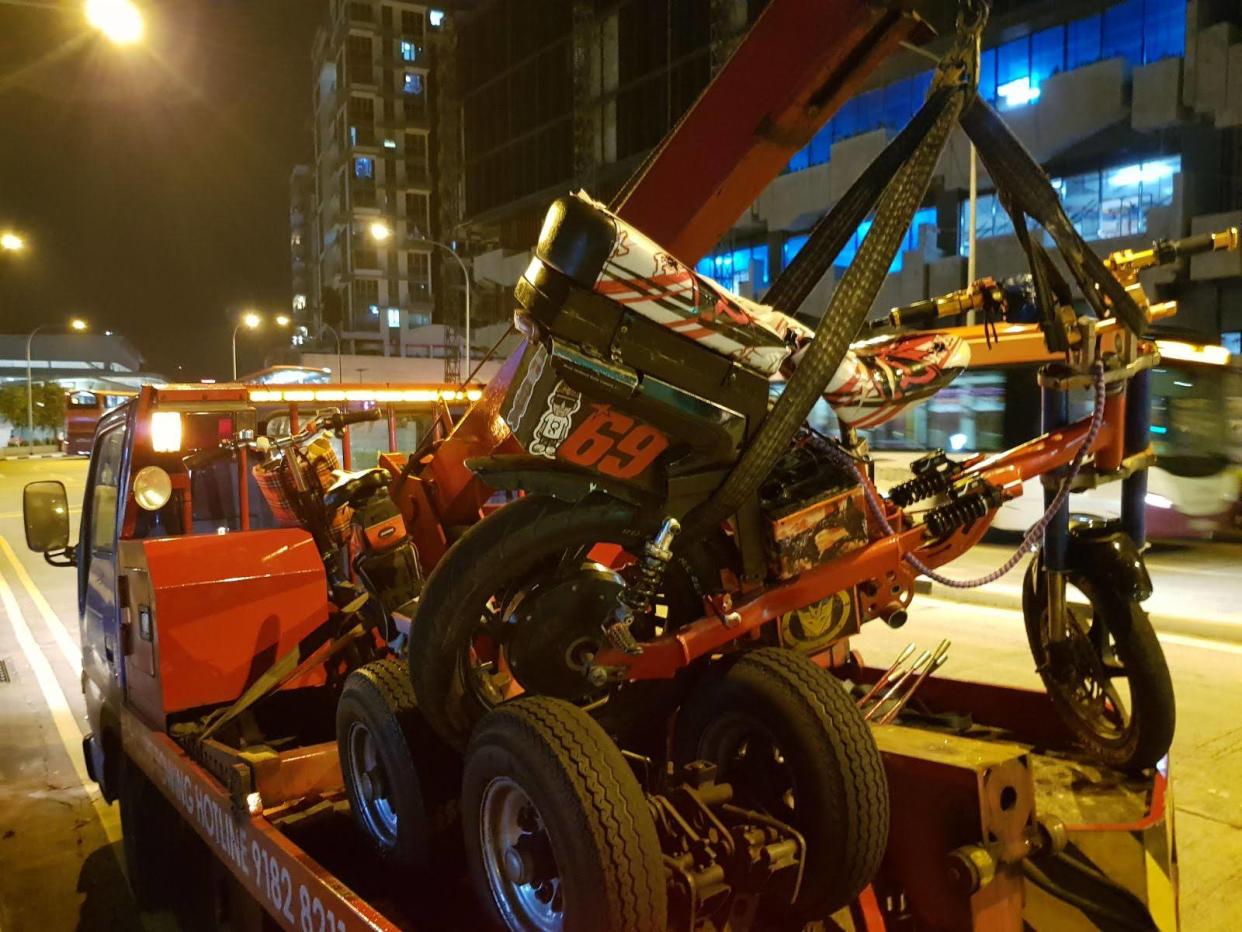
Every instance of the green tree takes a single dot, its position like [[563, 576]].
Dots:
[[13, 404], [49, 405]]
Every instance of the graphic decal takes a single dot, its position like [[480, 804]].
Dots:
[[555, 422], [645, 277], [879, 379]]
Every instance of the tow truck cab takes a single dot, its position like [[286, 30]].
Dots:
[[187, 588], [185, 585]]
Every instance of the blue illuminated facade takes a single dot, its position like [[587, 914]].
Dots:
[[1140, 31]]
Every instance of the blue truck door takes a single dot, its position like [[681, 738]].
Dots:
[[101, 648]]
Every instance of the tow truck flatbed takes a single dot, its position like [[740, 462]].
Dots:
[[282, 829]]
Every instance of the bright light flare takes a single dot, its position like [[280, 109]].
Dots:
[[119, 20], [1210, 355], [250, 320], [380, 231], [283, 320], [11, 242], [78, 325], [166, 431]]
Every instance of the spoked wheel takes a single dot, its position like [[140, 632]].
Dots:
[[518, 605], [793, 745], [558, 832], [400, 778], [1103, 668]]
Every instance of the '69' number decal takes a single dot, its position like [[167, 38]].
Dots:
[[611, 442]]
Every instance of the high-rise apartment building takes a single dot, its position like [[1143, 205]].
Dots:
[[370, 276], [302, 262]]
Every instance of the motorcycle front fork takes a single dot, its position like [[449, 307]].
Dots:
[[1133, 499]]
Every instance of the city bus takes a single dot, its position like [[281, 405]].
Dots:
[[1193, 489], [83, 409]]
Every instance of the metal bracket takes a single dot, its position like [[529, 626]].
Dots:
[[1091, 478], [1050, 378]]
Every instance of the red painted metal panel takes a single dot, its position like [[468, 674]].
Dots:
[[799, 63], [227, 605], [295, 890]]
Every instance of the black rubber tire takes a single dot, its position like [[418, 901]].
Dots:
[[840, 790], [516, 538], [151, 833], [422, 774], [602, 834], [1153, 709]]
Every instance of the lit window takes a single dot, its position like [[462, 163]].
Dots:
[[409, 51], [412, 83], [792, 246], [1102, 204], [390, 143], [375, 310], [394, 317], [364, 167], [353, 135], [1017, 93], [299, 302], [295, 239], [435, 17]]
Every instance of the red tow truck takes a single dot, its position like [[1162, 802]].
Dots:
[[997, 822]]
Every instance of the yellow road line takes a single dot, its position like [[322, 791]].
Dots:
[[72, 652], [18, 514], [62, 716], [1191, 640]]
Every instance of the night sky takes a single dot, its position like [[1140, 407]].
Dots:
[[151, 181]]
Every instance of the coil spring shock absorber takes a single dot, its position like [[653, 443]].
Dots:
[[933, 475], [966, 508], [637, 597]]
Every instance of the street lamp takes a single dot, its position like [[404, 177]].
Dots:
[[380, 231], [340, 373], [76, 324], [465, 274], [119, 20], [11, 242], [251, 321]]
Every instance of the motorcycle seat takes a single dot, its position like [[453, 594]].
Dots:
[[353, 488], [600, 253]]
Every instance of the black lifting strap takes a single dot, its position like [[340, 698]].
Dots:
[[1027, 186], [833, 230], [1051, 289]]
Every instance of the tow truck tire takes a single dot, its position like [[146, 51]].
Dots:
[[401, 779], [821, 769], [558, 831], [150, 835]]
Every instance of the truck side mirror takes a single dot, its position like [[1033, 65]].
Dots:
[[45, 510]]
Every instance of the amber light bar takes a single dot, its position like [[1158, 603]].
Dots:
[[387, 395]]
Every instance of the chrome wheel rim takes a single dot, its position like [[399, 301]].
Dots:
[[371, 785], [517, 858]]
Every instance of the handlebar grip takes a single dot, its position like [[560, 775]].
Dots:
[[1193, 245], [357, 417], [206, 457]]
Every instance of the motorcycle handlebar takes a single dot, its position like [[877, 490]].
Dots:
[[206, 457], [337, 421]]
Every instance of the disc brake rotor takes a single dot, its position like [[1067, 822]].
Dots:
[[557, 629]]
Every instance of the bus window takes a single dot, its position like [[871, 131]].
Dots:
[[967, 414], [1189, 418]]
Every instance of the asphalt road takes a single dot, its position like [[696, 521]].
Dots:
[[60, 857]]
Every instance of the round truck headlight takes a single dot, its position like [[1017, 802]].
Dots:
[[152, 488]]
